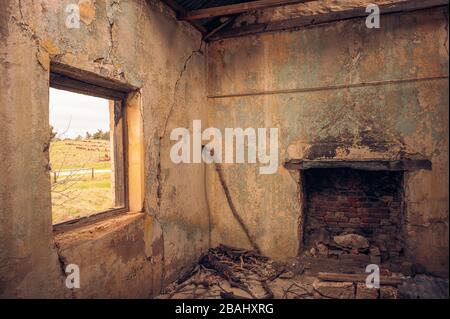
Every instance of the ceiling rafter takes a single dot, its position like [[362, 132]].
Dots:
[[332, 16], [180, 11], [235, 8]]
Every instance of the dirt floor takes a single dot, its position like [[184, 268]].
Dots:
[[233, 273]]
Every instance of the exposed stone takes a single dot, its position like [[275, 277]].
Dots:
[[334, 253], [375, 255], [351, 264], [387, 292], [385, 271], [363, 292], [50, 47], [356, 257], [375, 251], [375, 260], [335, 290], [287, 275], [320, 235], [87, 11], [344, 202], [322, 250], [352, 241], [43, 59], [395, 267]]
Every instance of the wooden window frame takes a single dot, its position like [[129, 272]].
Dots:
[[83, 82]]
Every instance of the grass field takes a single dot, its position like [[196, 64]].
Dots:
[[70, 154], [76, 195]]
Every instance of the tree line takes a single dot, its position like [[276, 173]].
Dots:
[[99, 135]]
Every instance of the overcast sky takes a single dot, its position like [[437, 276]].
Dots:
[[75, 114]]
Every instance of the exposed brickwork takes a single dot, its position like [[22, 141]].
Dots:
[[368, 203]]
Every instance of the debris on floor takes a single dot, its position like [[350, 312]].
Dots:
[[229, 273], [233, 273], [349, 247], [425, 287]]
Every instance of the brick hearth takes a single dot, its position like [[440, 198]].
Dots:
[[343, 200]]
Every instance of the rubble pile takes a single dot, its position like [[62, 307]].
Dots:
[[346, 247], [233, 273], [229, 273]]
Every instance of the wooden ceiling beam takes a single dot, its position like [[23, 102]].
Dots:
[[235, 8], [180, 11], [333, 16]]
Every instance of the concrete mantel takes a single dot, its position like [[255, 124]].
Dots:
[[366, 164]]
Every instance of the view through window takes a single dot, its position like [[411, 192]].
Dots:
[[81, 155]]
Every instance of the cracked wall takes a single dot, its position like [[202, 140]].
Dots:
[[312, 85], [137, 42], [141, 43]]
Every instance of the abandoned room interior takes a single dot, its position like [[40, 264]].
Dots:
[[350, 114]]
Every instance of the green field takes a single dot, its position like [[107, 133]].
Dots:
[[71, 154], [77, 195]]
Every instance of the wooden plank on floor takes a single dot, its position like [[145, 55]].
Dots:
[[384, 280]]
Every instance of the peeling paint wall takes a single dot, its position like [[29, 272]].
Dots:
[[137, 42], [396, 105]]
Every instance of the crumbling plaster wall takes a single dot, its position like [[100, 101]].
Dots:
[[377, 121], [137, 42]]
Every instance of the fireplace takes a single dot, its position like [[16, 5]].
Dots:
[[353, 210], [347, 201]]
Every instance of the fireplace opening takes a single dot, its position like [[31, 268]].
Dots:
[[353, 214]]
